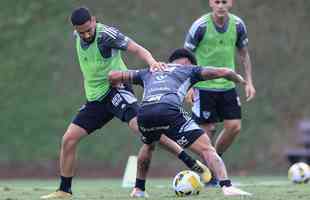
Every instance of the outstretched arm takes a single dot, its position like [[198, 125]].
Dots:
[[118, 77], [209, 73], [145, 55]]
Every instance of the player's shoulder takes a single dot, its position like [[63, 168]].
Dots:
[[106, 31], [172, 67], [178, 68], [201, 21], [239, 21], [203, 18], [199, 24]]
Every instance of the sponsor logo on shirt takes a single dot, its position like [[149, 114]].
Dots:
[[160, 77]]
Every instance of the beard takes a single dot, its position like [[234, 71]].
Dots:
[[89, 40]]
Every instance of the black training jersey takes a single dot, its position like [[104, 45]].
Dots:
[[169, 86]]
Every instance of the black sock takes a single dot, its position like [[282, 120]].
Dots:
[[226, 183], [187, 159], [65, 184], [140, 184]]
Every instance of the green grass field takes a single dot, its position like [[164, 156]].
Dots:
[[263, 188]]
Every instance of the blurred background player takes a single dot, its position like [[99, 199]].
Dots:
[[214, 39], [99, 51], [161, 112]]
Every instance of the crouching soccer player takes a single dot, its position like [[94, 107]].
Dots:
[[161, 112]]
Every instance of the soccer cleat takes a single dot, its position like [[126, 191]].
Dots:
[[233, 191], [57, 195], [214, 182], [203, 170], [137, 193]]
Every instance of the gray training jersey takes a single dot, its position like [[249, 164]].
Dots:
[[110, 40], [199, 27], [169, 86]]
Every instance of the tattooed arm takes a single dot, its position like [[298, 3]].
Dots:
[[130, 76], [118, 77]]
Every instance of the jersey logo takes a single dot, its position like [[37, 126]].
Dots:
[[116, 100], [238, 101], [153, 98], [206, 114], [160, 77], [182, 141]]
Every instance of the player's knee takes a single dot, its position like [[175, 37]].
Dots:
[[144, 164], [146, 152], [207, 149], [133, 125], [210, 129], [234, 128], [144, 161], [69, 141], [151, 148], [143, 158]]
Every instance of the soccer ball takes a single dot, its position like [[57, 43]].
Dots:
[[299, 173], [187, 183]]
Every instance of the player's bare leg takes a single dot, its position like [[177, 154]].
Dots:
[[67, 161], [230, 131], [144, 160], [224, 140], [209, 128], [133, 125], [178, 151], [202, 146], [143, 166], [69, 144], [145, 156]]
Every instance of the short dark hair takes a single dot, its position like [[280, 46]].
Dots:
[[80, 16], [183, 53]]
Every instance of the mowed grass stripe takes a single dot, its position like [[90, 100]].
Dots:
[[263, 188]]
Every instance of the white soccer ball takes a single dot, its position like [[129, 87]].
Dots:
[[187, 183], [299, 173]]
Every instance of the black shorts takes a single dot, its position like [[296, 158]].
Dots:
[[120, 103], [216, 106], [174, 122]]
